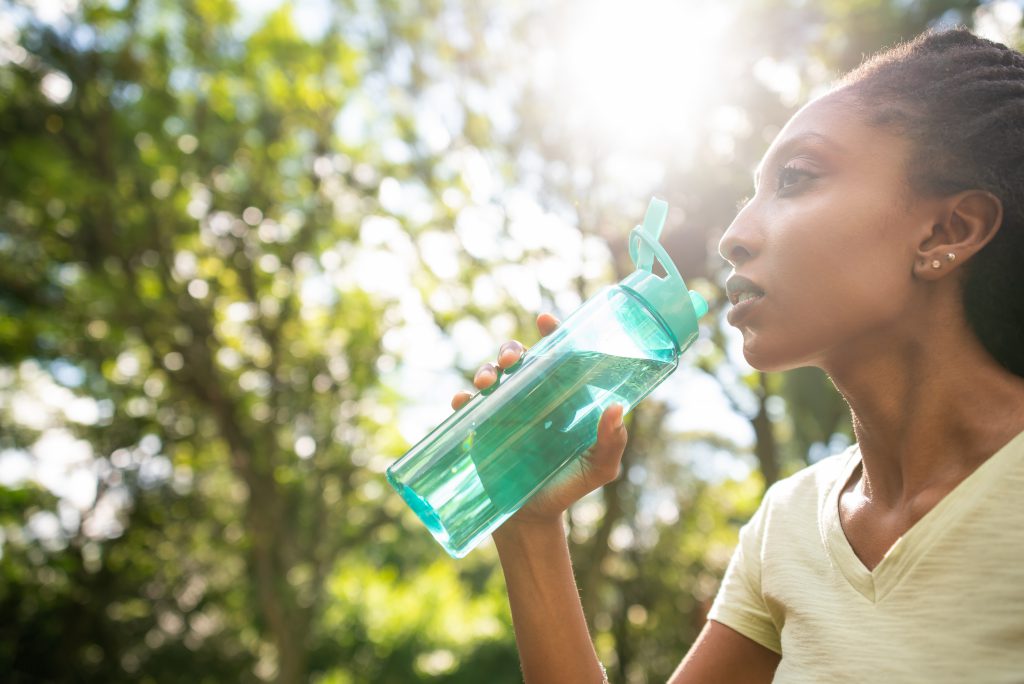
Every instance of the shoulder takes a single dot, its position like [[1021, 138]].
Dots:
[[810, 486]]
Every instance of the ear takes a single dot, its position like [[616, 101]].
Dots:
[[968, 221]]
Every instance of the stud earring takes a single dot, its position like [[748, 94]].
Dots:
[[936, 264], [950, 256]]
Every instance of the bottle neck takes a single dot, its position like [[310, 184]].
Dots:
[[670, 301], [657, 316]]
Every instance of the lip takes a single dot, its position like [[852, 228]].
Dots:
[[734, 287], [741, 311], [737, 284]]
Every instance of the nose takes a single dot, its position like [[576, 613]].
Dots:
[[739, 243]]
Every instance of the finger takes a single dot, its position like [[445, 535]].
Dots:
[[611, 427], [509, 353], [547, 323], [606, 454], [485, 376], [460, 399]]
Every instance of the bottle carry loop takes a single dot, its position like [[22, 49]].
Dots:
[[678, 306], [638, 235]]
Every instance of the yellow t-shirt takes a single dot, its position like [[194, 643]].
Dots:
[[945, 604]]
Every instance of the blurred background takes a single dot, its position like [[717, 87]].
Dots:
[[248, 252]]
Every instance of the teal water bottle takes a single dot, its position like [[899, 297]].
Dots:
[[478, 467]]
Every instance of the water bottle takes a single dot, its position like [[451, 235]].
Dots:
[[478, 467]]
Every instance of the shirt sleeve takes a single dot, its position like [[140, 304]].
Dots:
[[740, 602]]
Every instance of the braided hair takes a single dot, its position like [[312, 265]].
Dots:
[[959, 100]]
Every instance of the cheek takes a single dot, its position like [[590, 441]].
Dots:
[[839, 267], [877, 266]]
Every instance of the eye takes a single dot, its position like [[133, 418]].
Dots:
[[790, 176]]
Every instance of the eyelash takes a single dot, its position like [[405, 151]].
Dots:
[[783, 173], [788, 172]]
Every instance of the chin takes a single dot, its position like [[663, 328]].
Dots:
[[768, 360], [768, 366]]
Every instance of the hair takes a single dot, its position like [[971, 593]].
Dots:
[[959, 100]]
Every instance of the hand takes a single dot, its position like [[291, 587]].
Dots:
[[596, 468]]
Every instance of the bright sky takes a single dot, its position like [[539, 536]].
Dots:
[[635, 73]]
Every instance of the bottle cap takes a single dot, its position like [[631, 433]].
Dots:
[[678, 307]]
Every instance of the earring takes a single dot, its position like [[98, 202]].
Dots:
[[950, 256], [936, 264]]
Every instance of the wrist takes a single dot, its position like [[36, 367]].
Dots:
[[528, 533]]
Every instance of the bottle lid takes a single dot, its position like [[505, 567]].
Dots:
[[678, 307]]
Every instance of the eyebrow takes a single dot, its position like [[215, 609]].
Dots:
[[793, 142]]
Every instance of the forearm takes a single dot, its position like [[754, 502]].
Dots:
[[551, 632]]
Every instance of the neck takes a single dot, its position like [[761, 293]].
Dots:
[[927, 408]]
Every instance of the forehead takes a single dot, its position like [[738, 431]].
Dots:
[[835, 125], [836, 107]]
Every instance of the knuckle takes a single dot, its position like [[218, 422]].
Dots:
[[621, 437], [603, 463]]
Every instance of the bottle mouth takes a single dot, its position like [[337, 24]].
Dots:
[[423, 510]]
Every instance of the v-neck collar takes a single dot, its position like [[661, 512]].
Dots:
[[875, 584]]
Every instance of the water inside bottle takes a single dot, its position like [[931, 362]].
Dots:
[[552, 419]]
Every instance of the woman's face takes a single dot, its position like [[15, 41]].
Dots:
[[830, 236]]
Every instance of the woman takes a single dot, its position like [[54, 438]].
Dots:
[[885, 244]]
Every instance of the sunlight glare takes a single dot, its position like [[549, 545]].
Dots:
[[638, 73]]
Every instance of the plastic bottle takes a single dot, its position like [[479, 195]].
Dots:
[[478, 467]]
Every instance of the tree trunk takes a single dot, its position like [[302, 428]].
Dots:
[[286, 623], [765, 446]]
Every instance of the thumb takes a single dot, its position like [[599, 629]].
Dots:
[[605, 456]]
